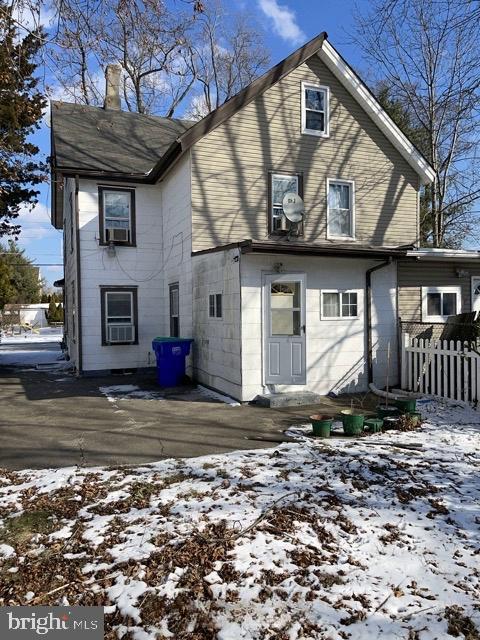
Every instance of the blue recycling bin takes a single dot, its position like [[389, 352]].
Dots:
[[170, 354]]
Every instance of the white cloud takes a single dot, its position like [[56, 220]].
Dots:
[[284, 21], [35, 224]]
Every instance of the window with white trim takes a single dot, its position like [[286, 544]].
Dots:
[[340, 209], [281, 184], [117, 215], [215, 304], [339, 304], [119, 307], [439, 303], [315, 110]]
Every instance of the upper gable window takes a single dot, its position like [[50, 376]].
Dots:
[[315, 116], [117, 215]]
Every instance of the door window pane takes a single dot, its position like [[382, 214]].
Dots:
[[285, 309]]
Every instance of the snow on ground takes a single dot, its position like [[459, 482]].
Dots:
[[314, 539], [114, 393], [33, 349], [47, 334], [129, 392]]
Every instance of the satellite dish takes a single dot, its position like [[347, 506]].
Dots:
[[293, 206]]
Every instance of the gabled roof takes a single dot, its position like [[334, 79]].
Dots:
[[92, 139]]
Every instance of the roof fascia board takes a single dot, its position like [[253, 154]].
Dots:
[[443, 255], [317, 250], [349, 79]]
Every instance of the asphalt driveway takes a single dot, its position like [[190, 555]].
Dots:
[[50, 419]]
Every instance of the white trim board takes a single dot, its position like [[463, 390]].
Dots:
[[349, 79]]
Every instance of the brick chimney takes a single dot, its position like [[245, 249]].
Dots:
[[112, 87]]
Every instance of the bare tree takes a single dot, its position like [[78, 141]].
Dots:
[[228, 54], [142, 35], [428, 53], [168, 54]]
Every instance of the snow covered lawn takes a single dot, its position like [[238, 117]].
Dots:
[[32, 349], [315, 539]]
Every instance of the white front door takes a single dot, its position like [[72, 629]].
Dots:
[[475, 294], [284, 328]]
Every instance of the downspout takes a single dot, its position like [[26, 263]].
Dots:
[[368, 315], [79, 278]]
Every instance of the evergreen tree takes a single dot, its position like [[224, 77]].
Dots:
[[52, 310], [21, 105], [19, 279]]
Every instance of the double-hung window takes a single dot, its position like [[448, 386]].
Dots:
[[174, 311], [215, 305], [119, 313], [339, 304], [117, 216], [439, 303], [315, 110], [340, 209], [280, 184]]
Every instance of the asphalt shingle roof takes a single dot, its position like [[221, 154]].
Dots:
[[94, 139]]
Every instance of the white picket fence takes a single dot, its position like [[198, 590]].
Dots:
[[445, 368]]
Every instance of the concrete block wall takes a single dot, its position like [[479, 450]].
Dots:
[[217, 347], [335, 349]]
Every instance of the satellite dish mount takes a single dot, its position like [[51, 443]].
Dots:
[[293, 209]]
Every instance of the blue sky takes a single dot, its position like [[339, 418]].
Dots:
[[287, 24]]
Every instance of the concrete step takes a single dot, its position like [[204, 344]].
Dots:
[[291, 399]]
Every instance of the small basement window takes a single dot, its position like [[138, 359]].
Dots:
[[315, 110], [215, 305], [117, 216], [120, 313], [439, 303], [339, 304]]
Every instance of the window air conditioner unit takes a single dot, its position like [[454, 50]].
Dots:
[[117, 235], [120, 333]]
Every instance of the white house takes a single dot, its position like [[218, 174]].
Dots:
[[178, 228]]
